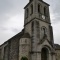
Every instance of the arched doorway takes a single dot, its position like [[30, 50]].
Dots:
[[44, 54], [24, 58]]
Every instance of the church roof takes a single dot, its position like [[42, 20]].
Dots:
[[26, 35], [19, 35], [57, 46], [39, 0]]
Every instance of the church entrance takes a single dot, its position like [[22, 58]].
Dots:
[[44, 54]]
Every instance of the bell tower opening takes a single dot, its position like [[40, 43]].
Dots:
[[44, 54]]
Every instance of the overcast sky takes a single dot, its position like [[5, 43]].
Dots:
[[12, 18]]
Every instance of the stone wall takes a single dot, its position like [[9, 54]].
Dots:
[[10, 49], [57, 54], [14, 48], [0, 54], [5, 57]]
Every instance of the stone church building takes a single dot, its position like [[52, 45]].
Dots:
[[35, 41]]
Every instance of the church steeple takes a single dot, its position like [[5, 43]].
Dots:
[[37, 9], [37, 20], [32, 0], [37, 24]]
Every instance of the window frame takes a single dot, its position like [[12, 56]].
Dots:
[[39, 8], [31, 7]]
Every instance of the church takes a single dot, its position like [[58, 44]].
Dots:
[[35, 41]]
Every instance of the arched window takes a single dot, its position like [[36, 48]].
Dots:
[[43, 32], [44, 29], [44, 54], [5, 53], [27, 13], [31, 9], [32, 28], [45, 11], [32, 31], [0, 54], [24, 58], [37, 29], [39, 7]]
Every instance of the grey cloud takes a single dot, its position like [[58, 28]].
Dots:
[[55, 10], [56, 20], [15, 30], [10, 8], [3, 28], [7, 6], [56, 6]]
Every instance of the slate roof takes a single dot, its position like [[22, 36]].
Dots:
[[57, 46], [39, 0], [20, 34]]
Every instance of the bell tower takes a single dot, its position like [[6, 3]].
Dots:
[[37, 9], [37, 19], [37, 24]]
